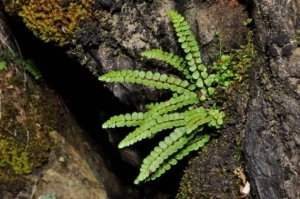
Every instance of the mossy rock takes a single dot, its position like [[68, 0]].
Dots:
[[52, 21]]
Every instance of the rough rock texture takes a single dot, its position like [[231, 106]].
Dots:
[[272, 129], [71, 176], [137, 26]]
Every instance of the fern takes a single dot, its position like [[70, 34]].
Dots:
[[160, 81], [153, 126], [177, 62], [191, 145], [170, 145], [172, 104], [133, 119], [182, 112]]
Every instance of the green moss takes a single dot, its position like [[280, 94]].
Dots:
[[52, 20], [13, 157]]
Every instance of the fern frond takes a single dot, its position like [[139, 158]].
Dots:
[[165, 148], [152, 126], [128, 120], [31, 67], [147, 78], [195, 112], [190, 47], [191, 145], [172, 104], [195, 118], [187, 40], [174, 60], [195, 145]]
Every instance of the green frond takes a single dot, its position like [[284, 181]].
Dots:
[[152, 126], [193, 144], [147, 78], [195, 112], [190, 47], [128, 120], [170, 145], [187, 40], [174, 60], [172, 104], [196, 118]]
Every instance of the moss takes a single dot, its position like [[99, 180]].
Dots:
[[12, 156], [52, 20]]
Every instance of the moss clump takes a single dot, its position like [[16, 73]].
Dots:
[[52, 20], [13, 157]]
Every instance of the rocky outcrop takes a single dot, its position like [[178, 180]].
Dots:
[[117, 31]]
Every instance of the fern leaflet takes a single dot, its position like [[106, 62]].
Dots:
[[172, 104], [178, 155]]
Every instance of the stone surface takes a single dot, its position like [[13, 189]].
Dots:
[[76, 172], [137, 27], [272, 127]]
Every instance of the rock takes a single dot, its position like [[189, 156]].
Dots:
[[70, 176], [271, 149]]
